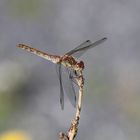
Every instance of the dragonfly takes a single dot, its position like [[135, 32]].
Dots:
[[67, 67]]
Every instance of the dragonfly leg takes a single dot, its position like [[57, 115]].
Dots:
[[73, 78]]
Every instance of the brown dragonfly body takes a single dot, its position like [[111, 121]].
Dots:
[[69, 62]]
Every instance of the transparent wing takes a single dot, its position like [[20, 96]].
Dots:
[[69, 85], [66, 85], [58, 70], [84, 44], [78, 51]]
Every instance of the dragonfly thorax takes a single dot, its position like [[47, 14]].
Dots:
[[70, 62]]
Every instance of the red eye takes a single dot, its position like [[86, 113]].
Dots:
[[81, 64]]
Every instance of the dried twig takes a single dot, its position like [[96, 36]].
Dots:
[[72, 132]]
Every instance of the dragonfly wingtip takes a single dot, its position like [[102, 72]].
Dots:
[[88, 41], [105, 38]]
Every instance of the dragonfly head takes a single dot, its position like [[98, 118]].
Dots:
[[80, 65]]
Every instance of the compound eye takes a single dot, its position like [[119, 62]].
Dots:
[[81, 64]]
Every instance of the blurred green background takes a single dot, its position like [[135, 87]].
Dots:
[[29, 88]]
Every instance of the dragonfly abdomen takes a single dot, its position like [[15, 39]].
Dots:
[[53, 58]]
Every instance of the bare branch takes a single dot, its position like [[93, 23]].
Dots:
[[72, 132]]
